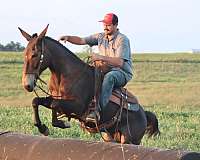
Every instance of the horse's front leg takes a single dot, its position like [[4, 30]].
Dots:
[[46, 102], [55, 122]]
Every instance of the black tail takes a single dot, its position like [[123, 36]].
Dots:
[[152, 124]]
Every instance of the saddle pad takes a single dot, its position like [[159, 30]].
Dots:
[[133, 106], [122, 92], [129, 106]]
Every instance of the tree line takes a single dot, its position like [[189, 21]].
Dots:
[[12, 46]]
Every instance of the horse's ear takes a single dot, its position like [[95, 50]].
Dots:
[[42, 34], [26, 35]]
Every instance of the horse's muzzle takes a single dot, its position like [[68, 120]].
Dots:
[[28, 82]]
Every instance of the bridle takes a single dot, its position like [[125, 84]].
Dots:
[[41, 55], [37, 71]]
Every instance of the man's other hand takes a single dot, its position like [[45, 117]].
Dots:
[[63, 38]]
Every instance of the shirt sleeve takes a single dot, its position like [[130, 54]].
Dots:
[[92, 40], [123, 50]]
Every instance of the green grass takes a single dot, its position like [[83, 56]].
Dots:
[[180, 129], [167, 84], [19, 119]]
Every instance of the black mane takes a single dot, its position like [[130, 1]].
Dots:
[[67, 51]]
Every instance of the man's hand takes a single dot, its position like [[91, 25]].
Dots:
[[96, 57], [63, 38], [113, 61]]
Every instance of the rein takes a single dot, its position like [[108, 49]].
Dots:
[[38, 76]]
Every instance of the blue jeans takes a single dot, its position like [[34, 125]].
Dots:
[[112, 79]]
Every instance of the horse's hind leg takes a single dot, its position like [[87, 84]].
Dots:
[[107, 137], [128, 136], [122, 138], [44, 101], [126, 139]]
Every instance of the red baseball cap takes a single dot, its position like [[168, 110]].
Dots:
[[110, 18]]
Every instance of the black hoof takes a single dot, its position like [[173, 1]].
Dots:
[[43, 129], [61, 124]]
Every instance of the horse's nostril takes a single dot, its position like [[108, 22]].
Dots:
[[28, 88]]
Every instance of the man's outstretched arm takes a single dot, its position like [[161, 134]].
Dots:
[[73, 39]]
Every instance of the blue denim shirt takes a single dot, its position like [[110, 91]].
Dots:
[[117, 46]]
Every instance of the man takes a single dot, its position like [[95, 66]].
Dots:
[[114, 51]]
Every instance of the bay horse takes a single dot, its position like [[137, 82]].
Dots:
[[71, 87]]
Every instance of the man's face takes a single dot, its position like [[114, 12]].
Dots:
[[109, 29]]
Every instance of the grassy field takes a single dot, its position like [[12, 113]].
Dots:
[[167, 84]]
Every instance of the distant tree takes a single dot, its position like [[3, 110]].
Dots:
[[1, 47], [12, 46], [19, 47]]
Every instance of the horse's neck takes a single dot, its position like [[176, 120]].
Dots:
[[68, 71], [62, 60]]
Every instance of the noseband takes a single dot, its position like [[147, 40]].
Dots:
[[40, 61], [37, 70]]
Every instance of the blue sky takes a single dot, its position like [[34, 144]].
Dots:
[[151, 25]]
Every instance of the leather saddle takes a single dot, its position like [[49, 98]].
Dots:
[[120, 96], [123, 96]]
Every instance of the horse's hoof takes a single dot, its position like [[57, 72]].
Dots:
[[46, 133], [61, 124], [67, 125], [43, 129]]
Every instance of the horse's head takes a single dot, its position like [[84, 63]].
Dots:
[[33, 58]]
